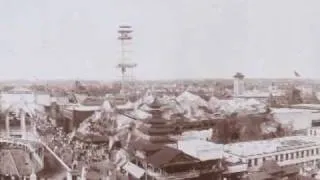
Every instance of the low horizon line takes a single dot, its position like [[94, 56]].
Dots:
[[168, 79]]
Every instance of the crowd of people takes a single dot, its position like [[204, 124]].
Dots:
[[75, 153]]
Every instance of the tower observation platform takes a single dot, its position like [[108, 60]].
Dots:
[[125, 65]]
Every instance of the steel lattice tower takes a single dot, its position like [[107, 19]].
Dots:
[[125, 64]]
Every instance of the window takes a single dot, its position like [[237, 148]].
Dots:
[[292, 156], [307, 154], [263, 159], [281, 157], [312, 152], [317, 151], [249, 163], [302, 154], [297, 154], [255, 161], [277, 157], [287, 156]]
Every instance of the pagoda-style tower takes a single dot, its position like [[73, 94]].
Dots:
[[156, 129]]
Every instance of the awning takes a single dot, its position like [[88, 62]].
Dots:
[[134, 170]]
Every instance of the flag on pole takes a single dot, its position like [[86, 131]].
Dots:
[[296, 74]]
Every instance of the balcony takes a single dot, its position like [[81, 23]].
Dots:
[[236, 168]]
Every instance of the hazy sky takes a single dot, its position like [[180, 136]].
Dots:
[[51, 39]]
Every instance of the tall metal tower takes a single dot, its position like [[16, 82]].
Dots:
[[125, 64]]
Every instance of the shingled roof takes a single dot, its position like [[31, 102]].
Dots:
[[166, 155]]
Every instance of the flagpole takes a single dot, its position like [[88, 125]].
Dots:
[[297, 79]]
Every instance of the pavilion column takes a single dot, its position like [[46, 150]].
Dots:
[[83, 173], [69, 175], [33, 176], [8, 125], [23, 124]]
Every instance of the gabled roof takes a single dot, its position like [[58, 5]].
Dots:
[[166, 155], [143, 145]]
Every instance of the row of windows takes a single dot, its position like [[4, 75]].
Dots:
[[313, 132], [287, 156]]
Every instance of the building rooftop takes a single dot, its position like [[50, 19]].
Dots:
[[82, 108], [201, 149], [292, 110], [167, 155], [297, 119], [20, 90], [253, 148], [239, 75], [307, 106]]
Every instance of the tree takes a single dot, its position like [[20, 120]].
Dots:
[[228, 130], [311, 98], [293, 96], [280, 131]]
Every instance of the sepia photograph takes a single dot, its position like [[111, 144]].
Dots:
[[159, 90]]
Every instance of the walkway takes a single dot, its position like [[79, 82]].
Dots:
[[53, 169]]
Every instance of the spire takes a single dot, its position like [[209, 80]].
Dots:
[[156, 104]]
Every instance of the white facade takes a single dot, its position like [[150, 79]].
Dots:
[[296, 119], [238, 86], [314, 131], [294, 150]]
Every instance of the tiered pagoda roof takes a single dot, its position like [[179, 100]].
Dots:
[[239, 75], [155, 107], [156, 128]]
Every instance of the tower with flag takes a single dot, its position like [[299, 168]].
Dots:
[[296, 74]]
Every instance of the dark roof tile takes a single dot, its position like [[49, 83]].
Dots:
[[163, 156]]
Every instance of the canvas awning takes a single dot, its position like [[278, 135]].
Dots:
[[134, 170]]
